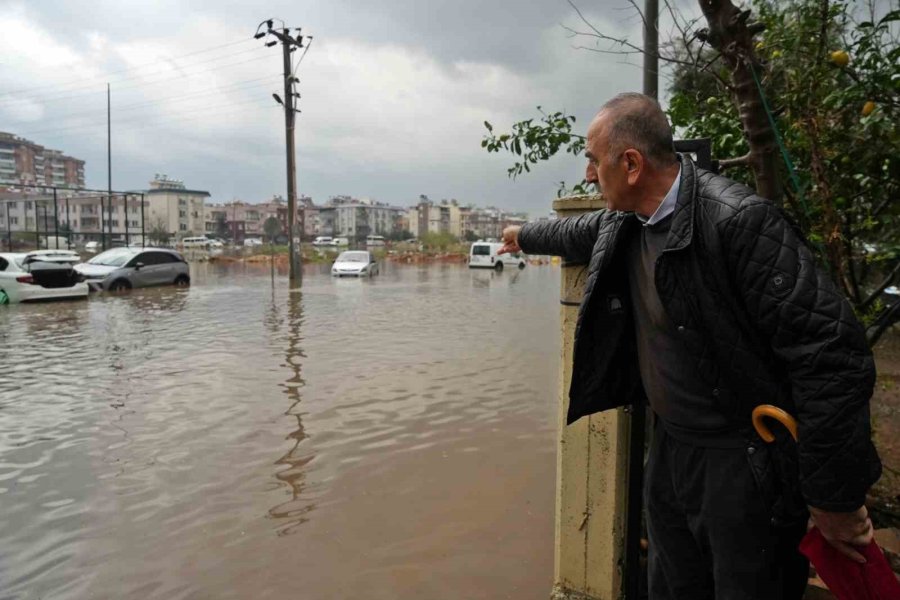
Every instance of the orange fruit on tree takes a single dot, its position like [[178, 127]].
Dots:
[[840, 58], [868, 108]]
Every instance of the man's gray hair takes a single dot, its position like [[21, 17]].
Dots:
[[638, 122]]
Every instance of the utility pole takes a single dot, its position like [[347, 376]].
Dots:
[[289, 44], [109, 200], [651, 48]]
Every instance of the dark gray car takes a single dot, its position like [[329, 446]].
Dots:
[[126, 268]]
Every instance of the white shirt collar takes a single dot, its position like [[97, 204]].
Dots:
[[667, 206]]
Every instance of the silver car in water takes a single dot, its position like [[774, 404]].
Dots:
[[125, 268]]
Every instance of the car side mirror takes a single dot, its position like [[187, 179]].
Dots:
[[138, 266]]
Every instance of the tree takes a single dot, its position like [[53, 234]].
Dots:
[[808, 95], [158, 233], [437, 241], [222, 230], [272, 228]]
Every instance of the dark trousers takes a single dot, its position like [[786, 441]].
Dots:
[[712, 531]]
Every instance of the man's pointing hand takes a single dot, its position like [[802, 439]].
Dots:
[[510, 240]]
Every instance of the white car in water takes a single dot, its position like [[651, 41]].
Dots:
[[355, 263], [40, 275]]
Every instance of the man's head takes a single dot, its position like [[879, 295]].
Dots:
[[630, 152]]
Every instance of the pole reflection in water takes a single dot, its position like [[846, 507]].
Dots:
[[291, 514]]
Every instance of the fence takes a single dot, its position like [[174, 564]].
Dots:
[[33, 216]]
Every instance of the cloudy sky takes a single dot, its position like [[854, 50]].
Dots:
[[394, 92]]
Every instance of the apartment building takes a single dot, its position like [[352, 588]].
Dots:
[[357, 219], [435, 217], [24, 162], [77, 216], [174, 209]]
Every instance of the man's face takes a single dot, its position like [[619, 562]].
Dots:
[[610, 173]]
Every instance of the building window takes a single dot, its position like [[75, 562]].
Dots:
[[182, 227], [14, 220], [182, 214], [28, 205]]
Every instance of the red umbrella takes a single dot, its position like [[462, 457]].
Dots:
[[845, 578]]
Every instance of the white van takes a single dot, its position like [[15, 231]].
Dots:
[[483, 255], [54, 242], [340, 241], [323, 240], [195, 242], [375, 240]]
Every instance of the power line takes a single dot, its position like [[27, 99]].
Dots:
[[67, 94], [124, 122], [164, 80], [40, 87], [177, 98]]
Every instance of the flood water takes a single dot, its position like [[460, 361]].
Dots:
[[384, 439]]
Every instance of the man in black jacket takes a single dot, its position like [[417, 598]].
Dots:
[[704, 300]]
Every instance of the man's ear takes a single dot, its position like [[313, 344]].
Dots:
[[634, 164]]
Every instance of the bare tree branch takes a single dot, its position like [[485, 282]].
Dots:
[[727, 163]]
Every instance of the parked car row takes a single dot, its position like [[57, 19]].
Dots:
[[60, 274]]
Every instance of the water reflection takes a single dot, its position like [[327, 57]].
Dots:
[[291, 514]]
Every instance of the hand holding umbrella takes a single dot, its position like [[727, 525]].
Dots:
[[840, 545]]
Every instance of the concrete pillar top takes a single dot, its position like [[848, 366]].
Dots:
[[579, 204]]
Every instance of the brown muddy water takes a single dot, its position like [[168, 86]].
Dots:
[[383, 439]]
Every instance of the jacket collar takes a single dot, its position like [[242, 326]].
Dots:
[[681, 231]]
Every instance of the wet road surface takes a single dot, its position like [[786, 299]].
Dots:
[[391, 438]]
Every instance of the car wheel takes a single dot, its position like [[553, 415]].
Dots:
[[182, 281], [521, 265], [498, 266], [120, 285]]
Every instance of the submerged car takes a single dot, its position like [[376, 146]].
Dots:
[[357, 263], [41, 275], [125, 268]]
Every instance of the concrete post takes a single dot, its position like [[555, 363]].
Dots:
[[592, 466]]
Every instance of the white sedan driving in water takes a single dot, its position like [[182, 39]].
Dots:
[[41, 275], [356, 263]]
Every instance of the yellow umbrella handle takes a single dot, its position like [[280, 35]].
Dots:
[[767, 410]]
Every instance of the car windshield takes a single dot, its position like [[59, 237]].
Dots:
[[112, 258], [359, 257]]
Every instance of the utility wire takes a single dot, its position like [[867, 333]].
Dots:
[[119, 123], [141, 66], [177, 98], [68, 94], [165, 80]]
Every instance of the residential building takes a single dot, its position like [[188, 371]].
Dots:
[[430, 217], [77, 215], [24, 162], [357, 219], [239, 220], [174, 209]]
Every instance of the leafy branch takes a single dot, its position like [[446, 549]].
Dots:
[[536, 141]]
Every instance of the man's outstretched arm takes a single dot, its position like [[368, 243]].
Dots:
[[572, 238]]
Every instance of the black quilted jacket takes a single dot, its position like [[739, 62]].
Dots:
[[762, 322]]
